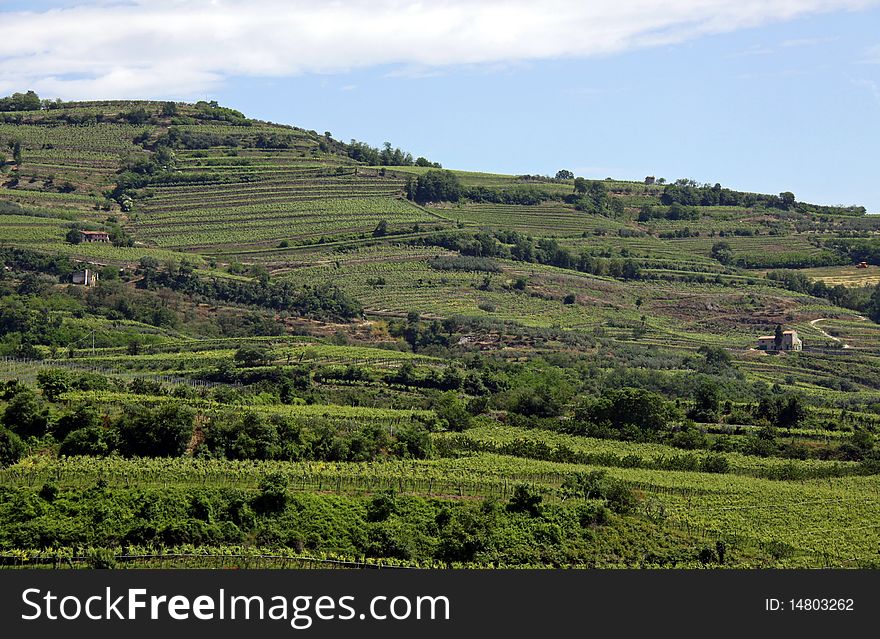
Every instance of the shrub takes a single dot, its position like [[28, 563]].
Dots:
[[164, 431], [526, 499], [11, 448], [273, 493]]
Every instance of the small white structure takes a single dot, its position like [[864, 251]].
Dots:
[[790, 342], [87, 277]]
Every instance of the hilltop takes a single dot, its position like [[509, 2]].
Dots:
[[271, 293]]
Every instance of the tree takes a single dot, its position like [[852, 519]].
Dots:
[[249, 356], [782, 410], [452, 411], [624, 408], [791, 412], [542, 394], [786, 199], [26, 415], [80, 418], [382, 506], [29, 101], [778, 337], [16, 153], [74, 236], [564, 174], [92, 441], [722, 252], [858, 446], [11, 448], [526, 499], [707, 400], [250, 437], [716, 359], [53, 382], [164, 431], [434, 186], [273, 493], [580, 185]]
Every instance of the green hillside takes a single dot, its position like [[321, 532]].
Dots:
[[311, 348]]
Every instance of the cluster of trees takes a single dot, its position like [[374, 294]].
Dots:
[[420, 335], [386, 156], [166, 429], [320, 300], [187, 139], [434, 186], [513, 245], [139, 170], [464, 263], [213, 111], [254, 436], [857, 249], [674, 211], [521, 194], [591, 196], [444, 186], [863, 299], [689, 193], [28, 101], [625, 413], [17, 158]]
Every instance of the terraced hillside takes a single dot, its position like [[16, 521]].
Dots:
[[300, 346]]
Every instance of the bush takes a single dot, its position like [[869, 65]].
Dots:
[[83, 416], [26, 415], [382, 506], [251, 356], [11, 448], [714, 463], [452, 411], [164, 431], [53, 383], [526, 499], [629, 409], [93, 440], [249, 437], [273, 493]]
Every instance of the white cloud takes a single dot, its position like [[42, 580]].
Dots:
[[176, 48]]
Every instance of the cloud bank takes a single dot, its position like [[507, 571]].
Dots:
[[176, 48]]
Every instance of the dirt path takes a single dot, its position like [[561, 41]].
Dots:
[[829, 336]]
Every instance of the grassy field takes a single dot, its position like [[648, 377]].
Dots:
[[845, 275]]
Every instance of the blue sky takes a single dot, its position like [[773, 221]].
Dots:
[[731, 94]]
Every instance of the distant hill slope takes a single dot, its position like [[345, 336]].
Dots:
[[237, 197]]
